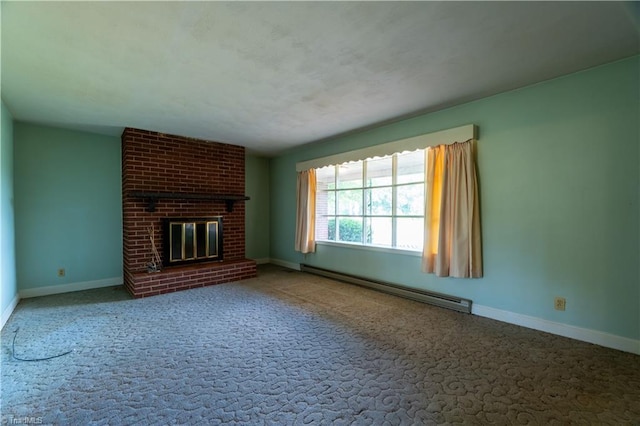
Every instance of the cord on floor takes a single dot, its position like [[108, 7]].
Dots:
[[13, 352]]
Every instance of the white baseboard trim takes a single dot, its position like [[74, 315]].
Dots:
[[262, 261], [66, 288], [285, 264], [8, 311], [584, 334]]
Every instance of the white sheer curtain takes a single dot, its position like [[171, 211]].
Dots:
[[452, 240], [306, 212]]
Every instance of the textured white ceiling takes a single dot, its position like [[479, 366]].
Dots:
[[270, 76]]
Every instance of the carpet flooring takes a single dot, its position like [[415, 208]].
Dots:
[[288, 348]]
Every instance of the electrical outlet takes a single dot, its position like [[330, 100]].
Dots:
[[560, 303], [61, 272]]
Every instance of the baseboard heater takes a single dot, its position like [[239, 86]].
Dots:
[[430, 297]]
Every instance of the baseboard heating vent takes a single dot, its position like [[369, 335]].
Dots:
[[432, 298]]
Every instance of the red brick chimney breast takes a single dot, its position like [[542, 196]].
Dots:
[[161, 163]]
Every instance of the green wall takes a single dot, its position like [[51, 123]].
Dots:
[[558, 167], [257, 209], [68, 206], [8, 286]]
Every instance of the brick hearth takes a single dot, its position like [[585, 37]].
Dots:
[[155, 162]]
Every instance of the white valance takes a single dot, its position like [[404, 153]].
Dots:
[[446, 137]]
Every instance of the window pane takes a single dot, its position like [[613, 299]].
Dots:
[[350, 229], [350, 175], [379, 231], [331, 203], [411, 167], [410, 200], [379, 171], [325, 203], [326, 178], [329, 230], [322, 227], [410, 233], [379, 201], [350, 202]]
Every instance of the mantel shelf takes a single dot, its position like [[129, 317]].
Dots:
[[153, 197]]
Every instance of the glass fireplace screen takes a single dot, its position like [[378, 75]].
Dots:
[[192, 240]]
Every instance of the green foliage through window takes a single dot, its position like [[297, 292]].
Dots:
[[350, 230]]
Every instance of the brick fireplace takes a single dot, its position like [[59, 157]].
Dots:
[[167, 176]]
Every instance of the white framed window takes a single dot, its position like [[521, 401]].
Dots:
[[374, 202]]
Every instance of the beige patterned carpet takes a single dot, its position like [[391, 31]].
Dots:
[[291, 348]]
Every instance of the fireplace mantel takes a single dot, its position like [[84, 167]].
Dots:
[[153, 197]]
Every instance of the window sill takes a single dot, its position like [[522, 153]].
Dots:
[[371, 248]]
